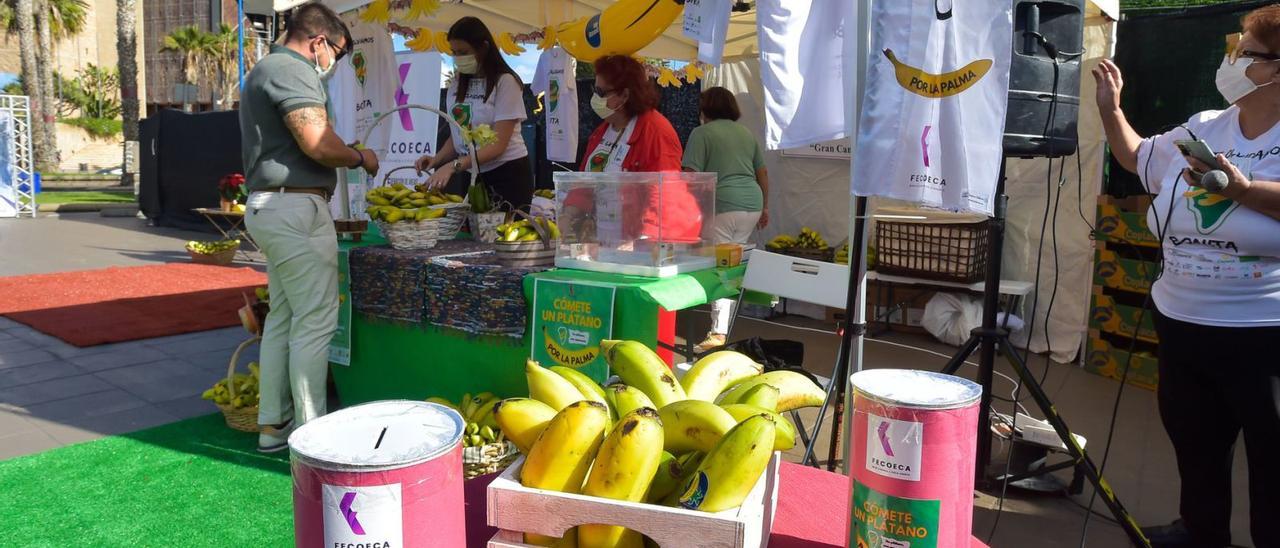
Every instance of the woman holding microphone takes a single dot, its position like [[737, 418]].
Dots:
[[1217, 296]]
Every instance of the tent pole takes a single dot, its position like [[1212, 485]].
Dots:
[[240, 40], [857, 312], [849, 357]]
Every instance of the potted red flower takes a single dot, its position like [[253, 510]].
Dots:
[[232, 190]]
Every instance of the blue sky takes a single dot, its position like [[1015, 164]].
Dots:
[[6, 77]]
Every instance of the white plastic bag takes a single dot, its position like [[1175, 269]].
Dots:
[[950, 317]]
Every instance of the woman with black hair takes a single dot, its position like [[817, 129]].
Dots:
[[484, 91]]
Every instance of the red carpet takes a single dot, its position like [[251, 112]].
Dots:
[[91, 307]]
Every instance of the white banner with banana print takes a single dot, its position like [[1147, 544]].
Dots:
[[932, 119]]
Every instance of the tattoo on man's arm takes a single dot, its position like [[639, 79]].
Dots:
[[305, 117]]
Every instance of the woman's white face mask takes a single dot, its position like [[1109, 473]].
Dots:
[[1232, 81], [600, 105], [466, 64]]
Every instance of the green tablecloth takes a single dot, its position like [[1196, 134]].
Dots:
[[392, 359], [403, 360]]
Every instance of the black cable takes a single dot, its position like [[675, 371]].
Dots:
[[1161, 229], [1080, 196], [1057, 271], [1017, 395]]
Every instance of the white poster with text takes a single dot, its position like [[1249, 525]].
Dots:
[[413, 131]]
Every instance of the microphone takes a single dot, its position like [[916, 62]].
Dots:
[[1214, 180]]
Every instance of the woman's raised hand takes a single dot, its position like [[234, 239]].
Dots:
[[1110, 82]]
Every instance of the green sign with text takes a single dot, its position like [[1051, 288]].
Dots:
[[570, 319]]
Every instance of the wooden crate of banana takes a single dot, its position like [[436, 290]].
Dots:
[[747, 525], [693, 459]]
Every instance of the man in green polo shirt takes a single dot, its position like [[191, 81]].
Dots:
[[290, 155]]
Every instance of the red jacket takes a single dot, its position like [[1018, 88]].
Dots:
[[654, 147]]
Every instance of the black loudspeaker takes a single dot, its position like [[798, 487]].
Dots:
[[1044, 78]]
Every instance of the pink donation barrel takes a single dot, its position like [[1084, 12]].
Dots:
[[914, 437], [385, 474]]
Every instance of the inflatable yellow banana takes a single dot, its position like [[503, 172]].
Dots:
[[935, 86], [548, 38], [621, 29], [378, 12], [424, 41], [442, 43]]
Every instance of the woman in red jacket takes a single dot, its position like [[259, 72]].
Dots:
[[635, 137]]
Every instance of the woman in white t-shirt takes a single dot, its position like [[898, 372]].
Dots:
[[1217, 296], [484, 91]]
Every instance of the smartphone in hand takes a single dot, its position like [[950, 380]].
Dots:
[[1199, 150]]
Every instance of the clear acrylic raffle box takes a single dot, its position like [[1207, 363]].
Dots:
[[640, 224]]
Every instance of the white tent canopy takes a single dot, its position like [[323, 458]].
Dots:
[[523, 16]]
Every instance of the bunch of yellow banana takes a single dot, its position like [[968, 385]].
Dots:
[[398, 203], [545, 193], [652, 438], [842, 254], [246, 390], [479, 413], [209, 248], [524, 231], [782, 241], [810, 239]]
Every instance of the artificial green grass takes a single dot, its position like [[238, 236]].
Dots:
[[190, 483], [84, 197]]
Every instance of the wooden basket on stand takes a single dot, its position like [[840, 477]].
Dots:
[[244, 419], [539, 252], [488, 458]]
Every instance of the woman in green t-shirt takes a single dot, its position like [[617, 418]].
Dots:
[[723, 146]]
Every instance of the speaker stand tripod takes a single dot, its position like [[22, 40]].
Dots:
[[990, 337]]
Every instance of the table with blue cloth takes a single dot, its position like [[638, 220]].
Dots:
[[435, 322]]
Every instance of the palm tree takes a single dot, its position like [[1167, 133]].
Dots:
[[193, 44], [24, 17], [127, 53], [224, 52], [68, 17], [44, 72]]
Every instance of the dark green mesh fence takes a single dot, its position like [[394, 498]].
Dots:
[[1168, 59]]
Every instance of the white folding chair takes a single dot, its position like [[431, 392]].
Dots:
[[797, 279]]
